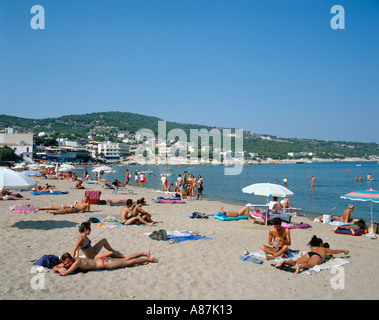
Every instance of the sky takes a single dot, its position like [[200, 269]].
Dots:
[[273, 67]]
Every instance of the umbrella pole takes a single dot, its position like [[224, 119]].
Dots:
[[372, 222]]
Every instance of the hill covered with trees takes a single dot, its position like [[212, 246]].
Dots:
[[111, 123]]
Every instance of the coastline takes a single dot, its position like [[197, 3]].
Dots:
[[192, 270]]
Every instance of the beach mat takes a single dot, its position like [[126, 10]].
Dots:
[[328, 264], [181, 236], [261, 255]]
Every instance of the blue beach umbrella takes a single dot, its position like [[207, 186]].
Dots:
[[365, 195]]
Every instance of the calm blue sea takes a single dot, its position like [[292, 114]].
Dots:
[[333, 179]]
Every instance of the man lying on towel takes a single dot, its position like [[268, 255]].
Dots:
[[69, 264]]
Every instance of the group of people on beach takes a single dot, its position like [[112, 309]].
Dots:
[[94, 260], [279, 241]]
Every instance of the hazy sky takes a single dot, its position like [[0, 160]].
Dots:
[[274, 67]]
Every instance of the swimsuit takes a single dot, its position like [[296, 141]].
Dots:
[[105, 261], [87, 245], [311, 254]]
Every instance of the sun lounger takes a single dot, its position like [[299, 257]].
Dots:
[[116, 189]]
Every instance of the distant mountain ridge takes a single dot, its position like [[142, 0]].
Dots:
[[112, 122]]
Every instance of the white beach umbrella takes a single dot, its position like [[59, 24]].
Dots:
[[33, 166], [10, 179], [67, 167], [105, 169], [268, 189]]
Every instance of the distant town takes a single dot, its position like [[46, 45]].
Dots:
[[31, 147]]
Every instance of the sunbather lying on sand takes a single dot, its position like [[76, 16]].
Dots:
[[316, 256], [69, 264], [79, 208], [243, 211], [135, 201], [360, 224]]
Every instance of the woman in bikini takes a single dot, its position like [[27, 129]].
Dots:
[[312, 258], [92, 252]]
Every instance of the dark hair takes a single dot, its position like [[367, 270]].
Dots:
[[315, 242], [129, 202], [361, 224], [276, 221], [275, 198], [65, 256], [84, 225]]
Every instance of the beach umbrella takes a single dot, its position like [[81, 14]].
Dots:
[[33, 166], [68, 167], [268, 189], [31, 173], [365, 195], [105, 169], [10, 179]]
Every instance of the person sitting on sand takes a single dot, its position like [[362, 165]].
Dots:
[[243, 211], [92, 252], [133, 214], [360, 224], [279, 240], [346, 216], [70, 264], [78, 185], [316, 256]]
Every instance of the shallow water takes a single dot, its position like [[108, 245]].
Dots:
[[333, 179]]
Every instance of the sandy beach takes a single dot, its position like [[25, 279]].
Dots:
[[202, 269]]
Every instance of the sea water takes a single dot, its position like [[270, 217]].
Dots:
[[333, 179]]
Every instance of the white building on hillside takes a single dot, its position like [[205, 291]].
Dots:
[[113, 150], [22, 143]]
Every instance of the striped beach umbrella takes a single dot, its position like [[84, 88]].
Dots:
[[364, 195]]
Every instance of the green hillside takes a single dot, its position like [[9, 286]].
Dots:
[[111, 123]]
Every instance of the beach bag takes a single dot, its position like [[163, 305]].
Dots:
[[47, 261], [158, 235]]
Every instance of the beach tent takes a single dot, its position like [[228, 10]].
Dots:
[[10, 180], [268, 189], [365, 195]]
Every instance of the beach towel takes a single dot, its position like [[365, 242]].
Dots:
[[180, 236], [46, 192], [294, 225], [340, 223], [292, 255], [348, 232], [223, 217], [250, 259], [328, 264]]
